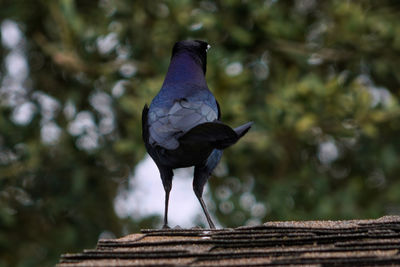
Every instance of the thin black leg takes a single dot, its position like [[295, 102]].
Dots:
[[166, 177], [201, 174], [203, 205], [165, 226]]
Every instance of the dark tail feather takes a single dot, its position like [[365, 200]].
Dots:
[[243, 129], [216, 134]]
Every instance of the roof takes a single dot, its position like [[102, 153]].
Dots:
[[311, 243]]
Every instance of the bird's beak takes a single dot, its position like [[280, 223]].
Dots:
[[208, 47]]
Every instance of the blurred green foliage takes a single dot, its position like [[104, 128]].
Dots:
[[320, 79]]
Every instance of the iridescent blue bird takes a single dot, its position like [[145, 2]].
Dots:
[[182, 126]]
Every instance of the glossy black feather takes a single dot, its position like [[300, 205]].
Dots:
[[182, 127]]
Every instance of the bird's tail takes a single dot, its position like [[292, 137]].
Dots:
[[215, 134], [243, 129]]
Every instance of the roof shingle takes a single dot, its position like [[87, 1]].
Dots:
[[312, 243]]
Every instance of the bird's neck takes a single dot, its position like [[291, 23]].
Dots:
[[184, 69]]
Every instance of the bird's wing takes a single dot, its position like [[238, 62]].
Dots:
[[166, 125]]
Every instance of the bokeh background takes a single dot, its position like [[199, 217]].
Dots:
[[320, 79]]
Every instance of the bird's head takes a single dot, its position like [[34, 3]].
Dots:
[[195, 48]]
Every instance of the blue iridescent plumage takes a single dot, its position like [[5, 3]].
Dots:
[[181, 128]]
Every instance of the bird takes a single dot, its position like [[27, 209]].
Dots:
[[182, 127]]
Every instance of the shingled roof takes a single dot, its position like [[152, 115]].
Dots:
[[311, 243]]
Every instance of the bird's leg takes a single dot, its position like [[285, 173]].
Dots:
[[203, 205], [165, 226], [166, 177], [201, 175]]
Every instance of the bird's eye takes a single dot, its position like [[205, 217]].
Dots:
[[208, 47]]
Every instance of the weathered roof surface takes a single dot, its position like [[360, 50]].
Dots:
[[311, 243]]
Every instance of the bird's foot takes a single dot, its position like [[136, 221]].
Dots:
[[212, 226]]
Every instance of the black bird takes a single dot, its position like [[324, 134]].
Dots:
[[182, 127]]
